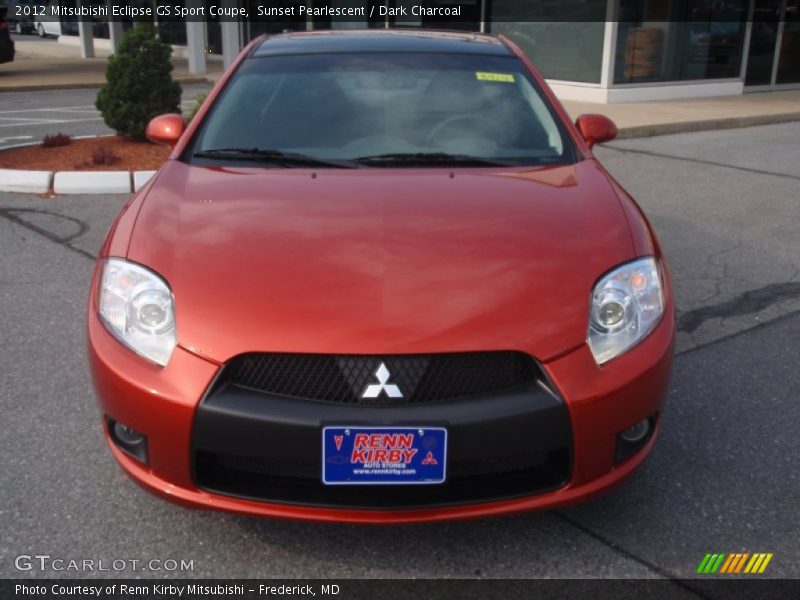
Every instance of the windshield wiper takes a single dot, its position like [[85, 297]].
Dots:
[[428, 158], [268, 155]]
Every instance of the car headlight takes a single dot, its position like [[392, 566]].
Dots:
[[137, 308], [627, 304]]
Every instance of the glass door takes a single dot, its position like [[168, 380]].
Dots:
[[763, 42], [789, 57]]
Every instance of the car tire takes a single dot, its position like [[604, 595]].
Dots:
[[40, 31], [18, 29]]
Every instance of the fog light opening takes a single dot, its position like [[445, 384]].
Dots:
[[635, 437], [127, 439], [637, 432], [127, 435]]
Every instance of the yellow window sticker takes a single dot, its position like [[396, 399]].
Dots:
[[498, 77]]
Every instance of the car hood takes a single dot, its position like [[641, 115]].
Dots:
[[381, 261]]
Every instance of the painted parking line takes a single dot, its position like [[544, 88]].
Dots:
[[80, 111], [15, 139], [49, 109], [57, 115], [36, 117], [48, 122], [67, 109], [24, 119]]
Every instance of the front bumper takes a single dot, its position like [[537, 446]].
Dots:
[[591, 406], [264, 447]]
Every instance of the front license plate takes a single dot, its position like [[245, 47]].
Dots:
[[383, 455]]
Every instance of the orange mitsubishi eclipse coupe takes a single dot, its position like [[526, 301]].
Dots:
[[381, 278]]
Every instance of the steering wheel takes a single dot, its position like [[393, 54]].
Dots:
[[482, 123]]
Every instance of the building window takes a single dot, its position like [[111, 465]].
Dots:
[[567, 50], [789, 59], [679, 40], [257, 25], [470, 19], [368, 6]]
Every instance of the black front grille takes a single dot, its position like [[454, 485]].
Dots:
[[421, 378]]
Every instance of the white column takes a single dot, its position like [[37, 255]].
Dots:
[[747, 34], [196, 42], [114, 30], [609, 45], [231, 36], [86, 37]]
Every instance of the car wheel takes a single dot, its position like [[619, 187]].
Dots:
[[40, 30], [18, 28]]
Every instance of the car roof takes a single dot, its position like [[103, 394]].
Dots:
[[390, 40]]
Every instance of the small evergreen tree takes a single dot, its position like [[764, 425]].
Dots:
[[139, 83]]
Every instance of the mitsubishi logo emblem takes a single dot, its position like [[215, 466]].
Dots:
[[374, 389]]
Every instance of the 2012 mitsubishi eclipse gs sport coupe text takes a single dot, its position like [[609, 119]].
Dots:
[[381, 278]]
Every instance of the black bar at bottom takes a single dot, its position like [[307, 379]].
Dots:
[[730, 587]]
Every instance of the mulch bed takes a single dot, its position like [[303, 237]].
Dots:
[[122, 153]]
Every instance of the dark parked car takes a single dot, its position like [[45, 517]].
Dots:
[[6, 44], [20, 16]]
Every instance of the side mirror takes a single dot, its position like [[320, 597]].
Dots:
[[165, 129], [596, 129]]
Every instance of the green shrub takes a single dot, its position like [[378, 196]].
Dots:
[[139, 83], [198, 102]]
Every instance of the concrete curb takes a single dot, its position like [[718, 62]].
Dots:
[[641, 131], [94, 182], [26, 182], [140, 178], [71, 182]]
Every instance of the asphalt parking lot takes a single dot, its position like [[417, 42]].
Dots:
[[722, 477]]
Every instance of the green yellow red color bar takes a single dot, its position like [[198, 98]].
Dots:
[[734, 563]]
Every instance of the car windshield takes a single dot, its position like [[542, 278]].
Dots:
[[402, 109]]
